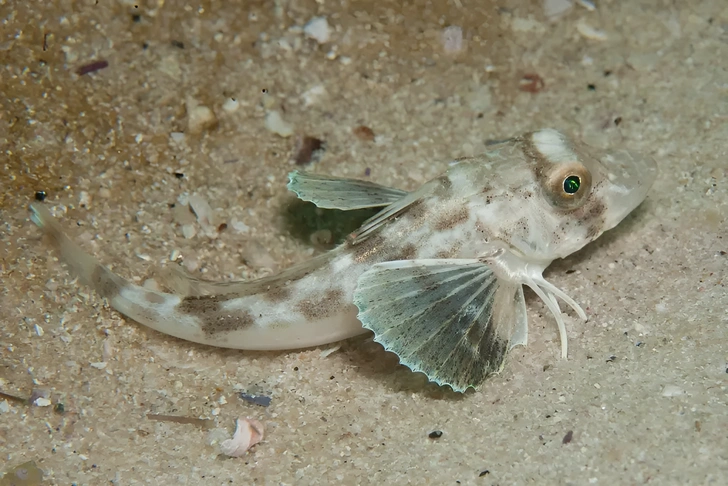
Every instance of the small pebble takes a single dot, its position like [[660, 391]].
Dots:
[[275, 124], [364, 133], [555, 9], [231, 105], [4, 406], [200, 118], [435, 434], [41, 402], [308, 150], [262, 400], [84, 199], [672, 391], [313, 95], [318, 28], [590, 32], [177, 137], [452, 39]]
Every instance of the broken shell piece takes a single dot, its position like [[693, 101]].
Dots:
[[248, 432], [590, 32], [275, 124]]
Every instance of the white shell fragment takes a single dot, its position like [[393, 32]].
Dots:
[[275, 124], [672, 391], [554, 9], [318, 28], [200, 118], [452, 39], [590, 32], [248, 432]]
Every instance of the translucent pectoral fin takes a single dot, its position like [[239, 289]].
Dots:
[[450, 319], [339, 193]]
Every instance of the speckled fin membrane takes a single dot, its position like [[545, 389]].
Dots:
[[450, 319], [338, 193]]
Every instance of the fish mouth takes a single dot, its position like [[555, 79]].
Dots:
[[629, 176]]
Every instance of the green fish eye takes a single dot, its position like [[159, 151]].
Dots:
[[572, 184]]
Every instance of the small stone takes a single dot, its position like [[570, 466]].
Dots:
[[99, 366], [189, 231], [364, 133], [318, 28], [177, 137], [435, 434], [231, 105], [308, 150], [84, 199], [590, 32], [200, 118], [672, 391], [452, 39], [555, 9], [275, 124], [41, 402], [4, 406]]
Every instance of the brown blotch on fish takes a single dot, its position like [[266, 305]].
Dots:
[[452, 218], [416, 211], [369, 249], [444, 189], [486, 189], [407, 252], [214, 319], [105, 282], [451, 252], [277, 293], [591, 215], [329, 304]]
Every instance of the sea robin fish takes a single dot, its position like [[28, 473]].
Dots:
[[437, 275]]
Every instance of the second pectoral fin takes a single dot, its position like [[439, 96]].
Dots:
[[450, 319]]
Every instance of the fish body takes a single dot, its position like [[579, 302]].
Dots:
[[437, 274]]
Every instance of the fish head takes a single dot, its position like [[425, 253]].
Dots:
[[584, 191]]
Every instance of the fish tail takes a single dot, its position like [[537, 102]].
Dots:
[[156, 310]]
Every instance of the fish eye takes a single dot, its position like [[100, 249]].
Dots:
[[572, 184], [568, 184]]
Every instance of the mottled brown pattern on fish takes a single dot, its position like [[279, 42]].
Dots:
[[417, 211], [444, 187], [486, 189], [452, 218], [106, 283], [329, 304], [407, 252], [592, 215], [368, 249], [277, 293], [539, 161], [213, 319], [451, 252]]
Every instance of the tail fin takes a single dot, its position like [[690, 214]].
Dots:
[[156, 310]]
